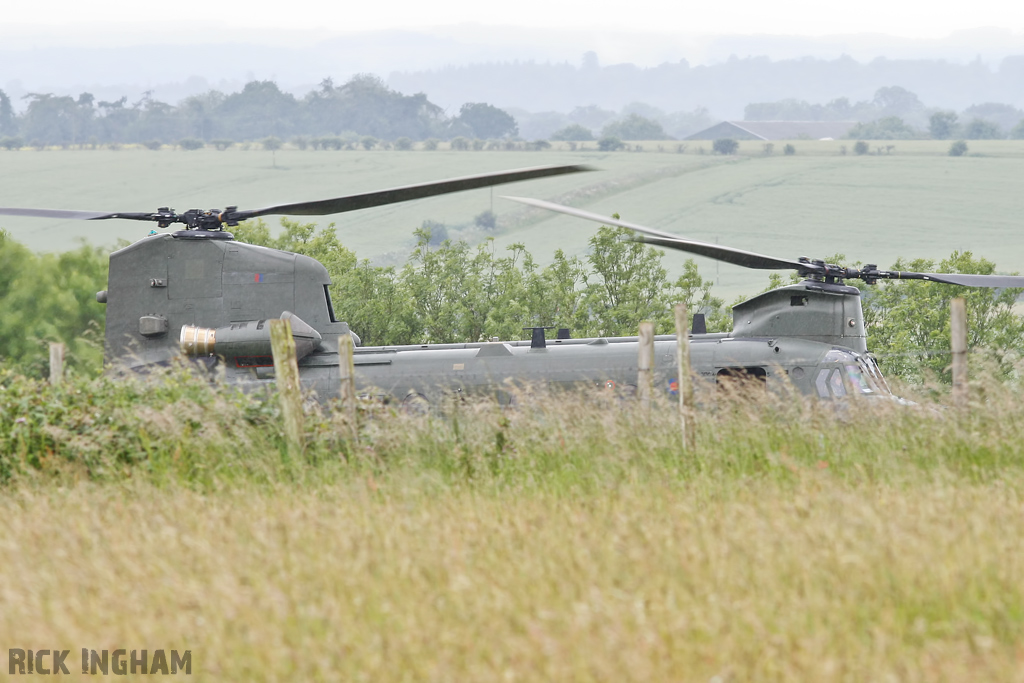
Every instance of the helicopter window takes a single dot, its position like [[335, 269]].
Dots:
[[830, 379], [836, 383], [861, 383], [875, 374], [821, 383], [330, 306]]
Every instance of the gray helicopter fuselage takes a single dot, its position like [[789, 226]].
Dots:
[[809, 337]]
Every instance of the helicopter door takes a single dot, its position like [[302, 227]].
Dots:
[[742, 379]]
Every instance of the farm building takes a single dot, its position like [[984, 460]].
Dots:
[[775, 130]]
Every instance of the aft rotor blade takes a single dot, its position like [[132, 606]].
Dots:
[[403, 194], [963, 279], [739, 257]]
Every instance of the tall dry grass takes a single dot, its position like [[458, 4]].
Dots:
[[568, 539]]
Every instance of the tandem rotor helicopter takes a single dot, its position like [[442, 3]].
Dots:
[[198, 293]]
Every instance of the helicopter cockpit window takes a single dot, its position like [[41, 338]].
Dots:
[[858, 380], [330, 306], [830, 379]]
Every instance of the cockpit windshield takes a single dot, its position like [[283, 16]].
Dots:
[[860, 372]]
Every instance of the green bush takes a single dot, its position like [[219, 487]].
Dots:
[[403, 144], [12, 143], [430, 144], [152, 144], [191, 143], [573, 133], [958, 149], [460, 144], [222, 144], [725, 146], [610, 143], [861, 147], [789, 150]]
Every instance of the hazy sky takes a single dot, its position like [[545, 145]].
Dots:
[[208, 18]]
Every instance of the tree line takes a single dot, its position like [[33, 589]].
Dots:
[[895, 113], [362, 106], [449, 291]]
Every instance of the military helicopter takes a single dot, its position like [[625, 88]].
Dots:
[[200, 294]]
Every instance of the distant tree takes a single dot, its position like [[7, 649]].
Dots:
[[888, 128], [725, 146], [12, 143], [258, 111], [904, 318], [271, 144], [486, 220], [153, 144], [896, 101], [1003, 115], [980, 129], [610, 143], [191, 143], [403, 144], [942, 125], [430, 144], [368, 142], [367, 106], [1017, 132], [539, 145], [8, 123], [958, 149], [460, 143], [789, 150], [300, 142], [635, 127], [221, 144], [482, 120], [861, 148], [573, 132]]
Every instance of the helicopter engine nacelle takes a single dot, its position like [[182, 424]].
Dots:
[[818, 311], [247, 339]]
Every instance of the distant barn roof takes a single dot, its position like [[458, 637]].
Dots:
[[775, 130]]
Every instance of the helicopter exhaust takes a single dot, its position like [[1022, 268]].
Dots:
[[248, 339]]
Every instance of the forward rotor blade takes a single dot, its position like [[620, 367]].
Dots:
[[403, 194], [966, 280], [739, 257]]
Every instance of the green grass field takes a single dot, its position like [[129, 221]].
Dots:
[[564, 540], [913, 201]]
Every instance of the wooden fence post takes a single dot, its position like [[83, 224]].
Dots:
[[645, 366], [347, 373], [685, 387], [958, 334], [289, 389], [56, 363]]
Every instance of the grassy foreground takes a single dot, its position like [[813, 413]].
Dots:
[[568, 540]]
